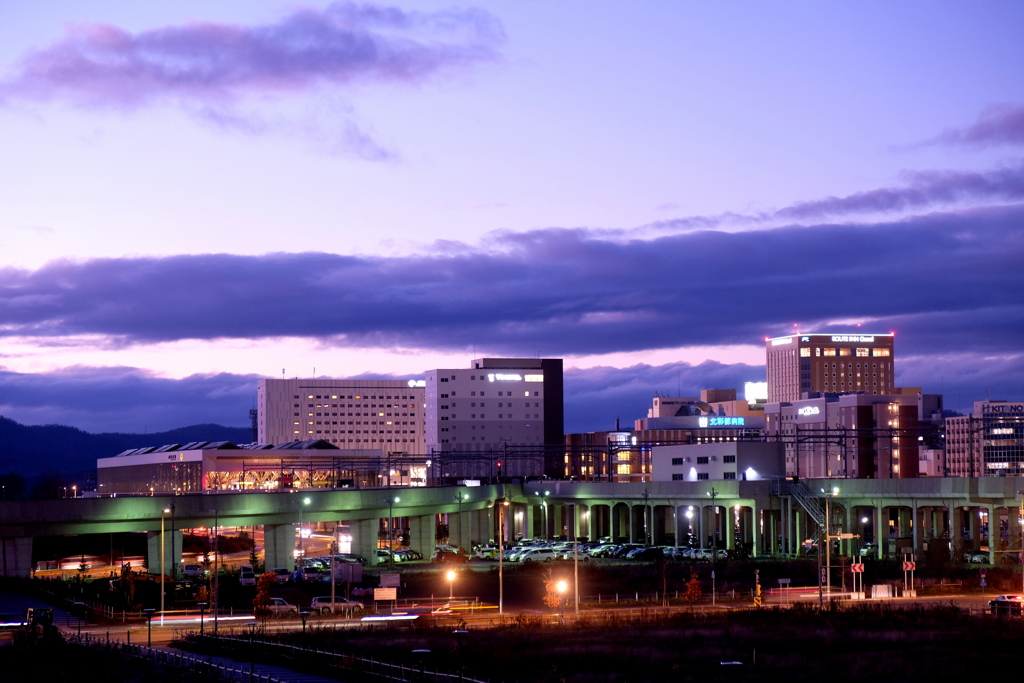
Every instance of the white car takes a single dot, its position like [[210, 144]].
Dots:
[[281, 607], [323, 605], [537, 555], [247, 579], [1007, 604]]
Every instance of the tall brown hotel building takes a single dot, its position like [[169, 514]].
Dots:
[[829, 363]]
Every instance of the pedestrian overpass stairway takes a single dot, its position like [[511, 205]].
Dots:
[[799, 492]]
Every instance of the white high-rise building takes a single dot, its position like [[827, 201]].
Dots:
[[349, 413]]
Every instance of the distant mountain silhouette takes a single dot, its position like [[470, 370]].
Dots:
[[32, 451]]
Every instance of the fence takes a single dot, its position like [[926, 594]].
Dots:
[[332, 659], [232, 672]]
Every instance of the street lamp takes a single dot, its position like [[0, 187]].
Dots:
[[302, 546], [714, 521], [451, 587], [74, 491], [202, 611], [502, 504], [149, 626], [544, 509], [215, 606], [561, 587], [825, 578], [163, 569]]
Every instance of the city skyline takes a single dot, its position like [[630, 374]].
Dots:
[[198, 197]]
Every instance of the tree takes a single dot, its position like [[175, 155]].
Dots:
[[261, 603], [693, 591]]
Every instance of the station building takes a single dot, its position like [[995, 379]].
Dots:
[[224, 466]]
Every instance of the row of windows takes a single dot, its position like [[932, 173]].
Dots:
[[371, 398], [359, 415], [483, 416], [342, 405], [483, 393], [832, 351]]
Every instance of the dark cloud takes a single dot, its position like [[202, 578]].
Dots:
[[925, 190], [998, 125], [560, 291], [124, 399], [214, 64]]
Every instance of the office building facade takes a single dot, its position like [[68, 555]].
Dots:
[[354, 414], [829, 363], [495, 404], [987, 443]]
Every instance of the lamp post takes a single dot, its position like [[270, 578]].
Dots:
[[74, 490], [391, 524], [302, 545], [451, 587], [714, 521], [304, 614], [174, 557], [1019, 524], [202, 611], [561, 587], [502, 504], [149, 626], [544, 509], [215, 603], [163, 569]]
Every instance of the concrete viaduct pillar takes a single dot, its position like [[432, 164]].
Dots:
[[16, 557], [153, 540], [364, 539], [421, 534], [279, 546]]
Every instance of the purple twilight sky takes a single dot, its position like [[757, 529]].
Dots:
[[197, 195]]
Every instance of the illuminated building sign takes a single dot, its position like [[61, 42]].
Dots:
[[1013, 408], [417, 383], [720, 421], [809, 410], [504, 377], [855, 338], [783, 340], [535, 378]]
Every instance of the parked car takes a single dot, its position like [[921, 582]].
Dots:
[[192, 571], [247, 579], [976, 557], [323, 605], [307, 573], [446, 557], [283, 575], [1007, 604], [281, 607], [537, 555]]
